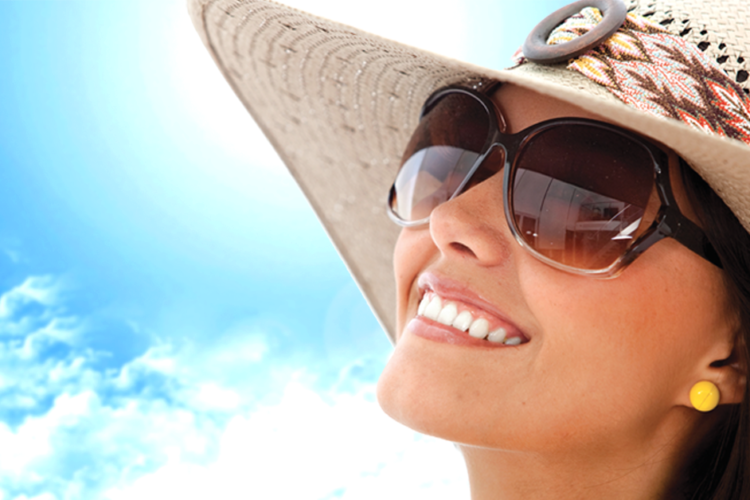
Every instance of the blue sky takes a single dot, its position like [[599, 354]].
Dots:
[[173, 320]]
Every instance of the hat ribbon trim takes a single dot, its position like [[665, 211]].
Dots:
[[654, 71]]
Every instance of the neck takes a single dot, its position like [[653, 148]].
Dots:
[[649, 469], [497, 475]]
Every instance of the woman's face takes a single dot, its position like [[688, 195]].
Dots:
[[600, 358]]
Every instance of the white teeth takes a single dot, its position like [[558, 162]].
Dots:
[[423, 305], [463, 321], [432, 307], [497, 336], [448, 314], [480, 328], [432, 311]]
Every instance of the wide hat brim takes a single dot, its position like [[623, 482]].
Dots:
[[339, 105]]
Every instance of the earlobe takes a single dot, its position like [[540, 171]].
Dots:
[[705, 396], [722, 381]]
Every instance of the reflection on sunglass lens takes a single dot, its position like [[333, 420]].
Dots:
[[580, 194], [439, 157]]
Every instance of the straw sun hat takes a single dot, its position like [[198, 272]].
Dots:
[[339, 104]]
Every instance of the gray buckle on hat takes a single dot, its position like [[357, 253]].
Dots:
[[537, 50]]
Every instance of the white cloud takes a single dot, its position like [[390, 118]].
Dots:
[[35, 289], [242, 343], [214, 396], [183, 420], [309, 448], [37, 344], [205, 375], [157, 359], [31, 442]]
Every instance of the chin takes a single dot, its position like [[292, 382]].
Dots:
[[421, 391], [406, 392]]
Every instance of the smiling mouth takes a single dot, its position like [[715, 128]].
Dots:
[[468, 319]]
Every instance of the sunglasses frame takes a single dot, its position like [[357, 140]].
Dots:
[[668, 223]]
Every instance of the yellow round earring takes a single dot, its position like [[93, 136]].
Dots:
[[704, 396]]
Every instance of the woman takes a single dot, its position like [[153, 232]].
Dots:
[[573, 306]]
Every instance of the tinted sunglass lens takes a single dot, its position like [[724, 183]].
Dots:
[[580, 194], [443, 149]]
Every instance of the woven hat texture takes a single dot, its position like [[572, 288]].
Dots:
[[339, 105]]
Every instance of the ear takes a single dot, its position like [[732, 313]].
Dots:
[[726, 367]]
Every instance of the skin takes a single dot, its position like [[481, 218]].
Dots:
[[596, 404]]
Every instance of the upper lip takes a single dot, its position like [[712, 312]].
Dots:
[[450, 289]]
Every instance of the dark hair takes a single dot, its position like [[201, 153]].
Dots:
[[722, 472]]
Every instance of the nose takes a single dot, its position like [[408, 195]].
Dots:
[[473, 225]]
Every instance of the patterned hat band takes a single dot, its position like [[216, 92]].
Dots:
[[646, 66]]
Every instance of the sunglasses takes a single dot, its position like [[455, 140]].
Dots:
[[581, 195]]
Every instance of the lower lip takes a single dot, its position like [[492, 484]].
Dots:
[[437, 332]]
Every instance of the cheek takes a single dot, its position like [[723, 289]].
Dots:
[[634, 343]]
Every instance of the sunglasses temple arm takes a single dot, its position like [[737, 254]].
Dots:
[[687, 232]]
